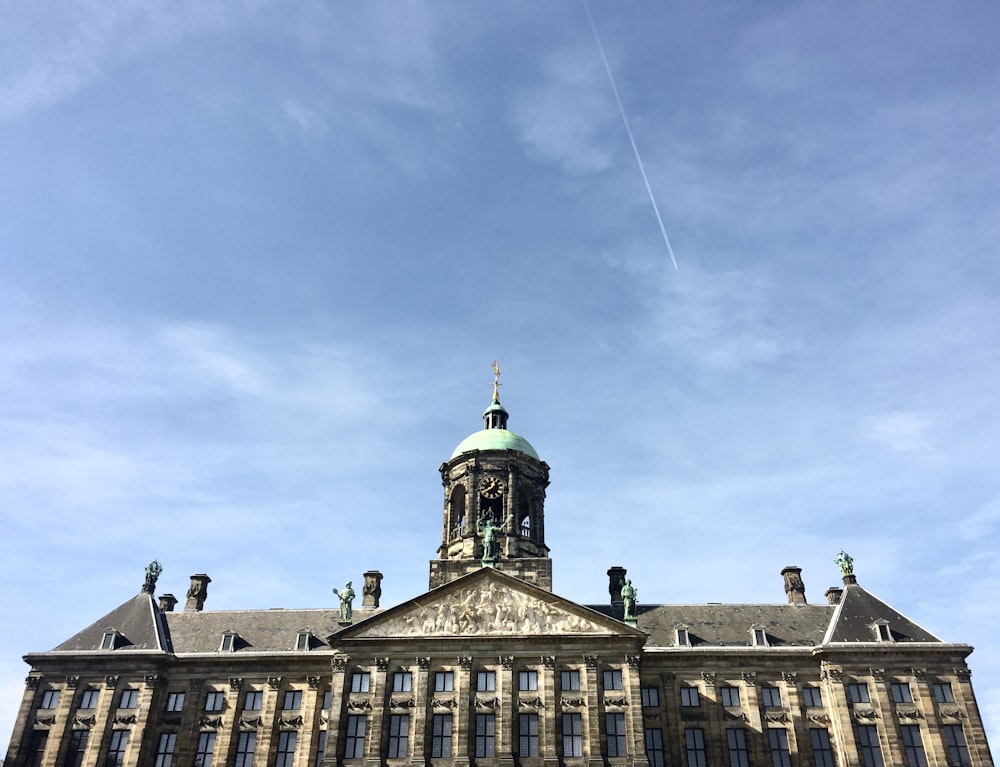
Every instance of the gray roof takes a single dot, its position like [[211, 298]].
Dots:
[[138, 623], [257, 630], [858, 610]]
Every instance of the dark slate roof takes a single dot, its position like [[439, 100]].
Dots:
[[257, 630], [138, 624], [858, 610]]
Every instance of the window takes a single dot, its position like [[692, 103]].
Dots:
[[327, 699], [731, 697], [78, 747], [654, 746], [214, 700], [569, 681], [116, 749], [402, 681], [302, 641], [245, 746], [858, 693], [441, 736], [689, 697], [129, 698], [527, 681], [206, 749], [320, 748], [361, 681], [399, 735], [527, 730], [293, 700], [954, 739], [286, 749], [882, 633], [356, 727], [777, 737], [486, 727], [901, 692], [812, 697], [253, 700], [822, 749], [444, 681], [913, 745], [613, 680], [942, 692], [770, 696], [175, 701], [89, 698], [165, 749], [486, 681], [108, 642], [683, 638], [36, 748], [694, 743], [614, 724], [572, 735], [759, 637], [50, 699], [650, 697], [228, 642], [871, 751], [736, 738]]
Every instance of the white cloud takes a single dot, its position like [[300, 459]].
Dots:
[[902, 431]]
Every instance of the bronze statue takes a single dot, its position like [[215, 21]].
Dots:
[[491, 546], [153, 570], [346, 598], [628, 597], [845, 563]]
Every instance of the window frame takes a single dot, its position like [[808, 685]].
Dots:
[[694, 747], [486, 681], [943, 692], [650, 697], [402, 681], [690, 696], [444, 681], [956, 745], [613, 680], [913, 745], [175, 702], [361, 681], [356, 731], [858, 692], [486, 736], [614, 734], [572, 734], [292, 700], [89, 698], [399, 736], [284, 755], [165, 746], [727, 695], [253, 700], [246, 745], [569, 680], [442, 729], [869, 746], [770, 697], [204, 749], [116, 748], [527, 742], [214, 701], [527, 680], [901, 692], [50, 700], [812, 697], [129, 698], [652, 738], [822, 747], [738, 751], [777, 741]]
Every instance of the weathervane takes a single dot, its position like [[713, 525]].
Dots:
[[496, 382]]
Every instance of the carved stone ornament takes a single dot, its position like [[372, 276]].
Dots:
[[833, 674], [126, 719], [111, 681], [215, 722], [290, 721], [465, 662], [45, 720], [531, 702], [423, 663], [150, 680], [789, 676], [909, 713], [339, 663], [487, 702], [85, 721], [323, 719], [31, 682], [313, 682], [247, 722], [632, 661], [740, 716], [549, 661], [402, 703], [954, 713], [616, 702], [443, 703], [507, 661], [750, 677], [919, 673], [235, 683], [382, 664], [274, 682], [777, 716], [878, 674], [591, 661], [708, 678], [963, 674], [819, 718], [572, 702], [359, 705], [72, 682], [872, 714]]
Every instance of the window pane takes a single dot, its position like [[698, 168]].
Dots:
[[129, 698], [213, 701], [572, 735], [293, 700], [858, 693], [958, 752], [165, 749], [89, 699], [570, 681], [50, 699], [913, 746], [36, 747], [356, 728], [654, 746], [485, 735], [286, 749], [731, 697], [253, 700], [444, 681], [689, 696], [868, 745], [943, 693], [77, 747], [778, 740], [694, 742], [402, 681], [736, 739], [527, 725], [360, 681], [244, 749], [614, 724], [527, 680], [206, 748], [811, 696], [175, 701], [822, 749], [399, 734], [441, 736], [613, 680], [650, 697], [116, 749], [771, 696]]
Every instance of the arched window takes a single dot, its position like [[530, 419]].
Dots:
[[457, 513]]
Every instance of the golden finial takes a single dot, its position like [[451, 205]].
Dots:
[[496, 382]]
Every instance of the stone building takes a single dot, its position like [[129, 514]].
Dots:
[[491, 668]]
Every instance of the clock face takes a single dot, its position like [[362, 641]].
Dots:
[[491, 487]]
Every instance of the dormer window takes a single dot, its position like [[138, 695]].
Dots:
[[682, 636], [758, 637], [228, 642], [882, 632], [302, 640], [110, 639]]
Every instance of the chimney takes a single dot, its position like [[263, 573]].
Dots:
[[198, 592], [833, 595], [372, 590], [167, 602], [794, 587], [616, 579]]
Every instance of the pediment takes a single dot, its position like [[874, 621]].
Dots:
[[488, 603]]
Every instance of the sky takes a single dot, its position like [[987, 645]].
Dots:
[[256, 260]]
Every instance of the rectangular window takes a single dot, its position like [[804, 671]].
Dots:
[[777, 737], [614, 724], [89, 698], [736, 739], [650, 697], [206, 749], [228, 641], [357, 725], [569, 681], [958, 751], [214, 701], [116, 749], [770, 696], [812, 697], [50, 699], [694, 744], [441, 736], [327, 699], [654, 746], [253, 700], [78, 747], [293, 700], [901, 692], [245, 746], [286, 749], [527, 730], [129, 698], [302, 641], [108, 643], [175, 701], [731, 697], [399, 735], [943, 693], [868, 745], [572, 735], [527, 681], [690, 697], [760, 637], [361, 681], [402, 681], [913, 745], [320, 748], [613, 680], [165, 749], [444, 681], [822, 748], [858, 693], [36, 748], [486, 681], [486, 728]]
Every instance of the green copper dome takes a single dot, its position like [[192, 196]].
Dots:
[[495, 439]]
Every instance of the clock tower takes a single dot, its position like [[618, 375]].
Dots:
[[494, 504]]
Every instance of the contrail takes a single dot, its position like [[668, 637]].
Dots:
[[628, 130]]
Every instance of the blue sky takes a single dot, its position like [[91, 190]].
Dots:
[[256, 259]]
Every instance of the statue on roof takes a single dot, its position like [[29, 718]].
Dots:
[[845, 563], [491, 546], [496, 381], [153, 570], [346, 598], [629, 593]]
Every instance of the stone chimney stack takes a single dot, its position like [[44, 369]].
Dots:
[[198, 592], [616, 579], [794, 587], [167, 602], [372, 590], [833, 595]]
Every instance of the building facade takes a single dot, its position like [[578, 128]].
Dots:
[[489, 667]]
